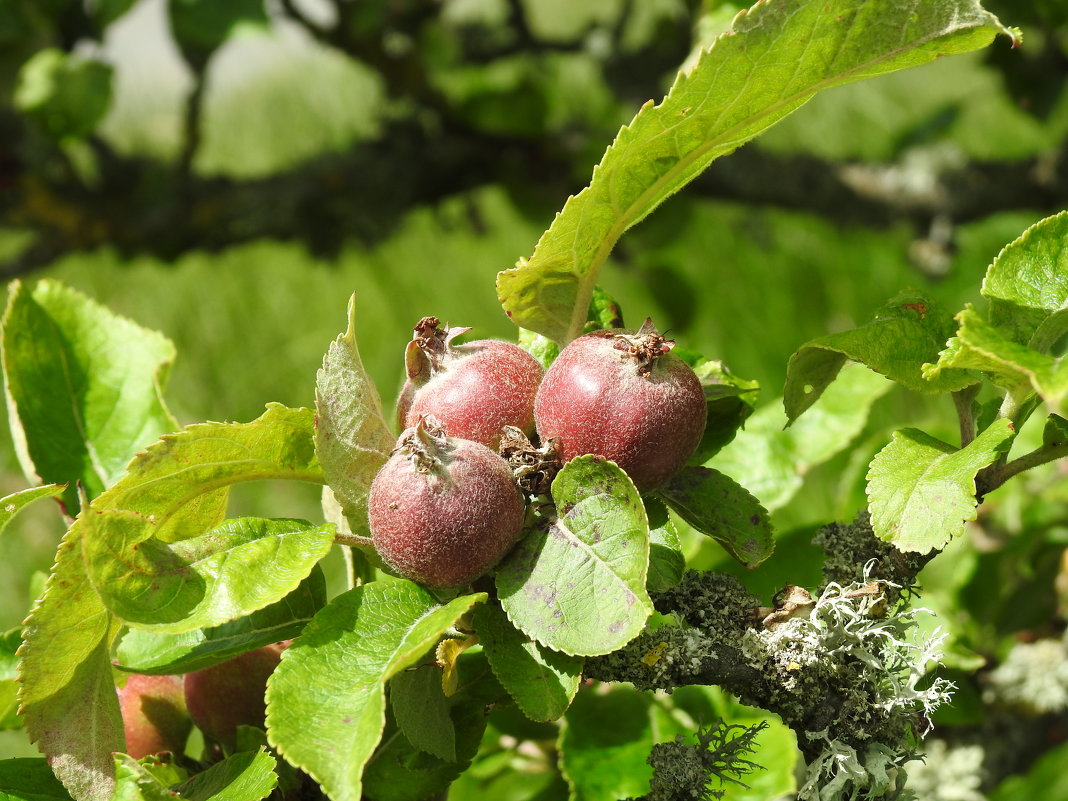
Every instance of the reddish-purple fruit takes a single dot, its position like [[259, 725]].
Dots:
[[624, 396], [443, 510], [154, 715], [472, 389], [231, 694]]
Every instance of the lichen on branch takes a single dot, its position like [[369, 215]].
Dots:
[[843, 666]]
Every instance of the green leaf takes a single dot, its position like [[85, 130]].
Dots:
[[138, 564], [29, 779], [65, 94], [606, 741], [67, 695], [9, 644], [143, 780], [718, 506], [541, 681], [577, 585], [352, 438], [201, 26], [1055, 432], [1017, 368], [106, 12], [730, 399], [247, 776], [250, 738], [400, 772], [14, 503], [771, 461], [604, 312], [921, 490], [906, 334], [84, 387], [421, 711], [326, 706], [1028, 282], [238, 567], [666, 560], [777, 56], [541, 348], [1045, 780], [156, 654]]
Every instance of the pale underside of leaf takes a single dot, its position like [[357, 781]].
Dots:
[[352, 438]]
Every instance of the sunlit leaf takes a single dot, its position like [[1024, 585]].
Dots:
[[148, 577], [921, 491], [152, 653], [1028, 283], [776, 57], [65, 94], [1017, 368], [247, 776], [17, 501], [236, 568], [329, 726], [84, 386], [67, 692]]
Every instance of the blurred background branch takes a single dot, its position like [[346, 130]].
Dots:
[[462, 96]]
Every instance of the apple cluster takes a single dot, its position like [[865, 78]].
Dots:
[[158, 712], [481, 416]]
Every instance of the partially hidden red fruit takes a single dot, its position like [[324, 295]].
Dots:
[[472, 389], [231, 694], [154, 715], [443, 510], [624, 396]]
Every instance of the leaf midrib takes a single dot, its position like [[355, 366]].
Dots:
[[579, 312]]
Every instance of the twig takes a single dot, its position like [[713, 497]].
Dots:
[[964, 401], [1000, 474]]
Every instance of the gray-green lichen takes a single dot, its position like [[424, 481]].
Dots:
[[948, 772], [844, 667], [1033, 678]]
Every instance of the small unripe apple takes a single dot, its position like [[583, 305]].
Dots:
[[473, 389], [623, 395], [231, 694], [443, 510], [154, 715]]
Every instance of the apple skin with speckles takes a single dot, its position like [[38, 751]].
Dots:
[[624, 396], [473, 389], [154, 715], [443, 510]]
